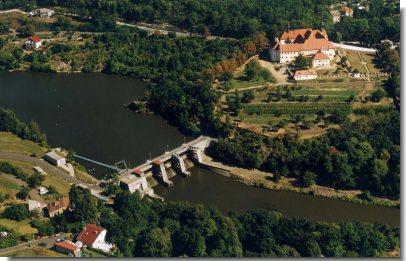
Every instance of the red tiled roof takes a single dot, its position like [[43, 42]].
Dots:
[[61, 203], [89, 234], [137, 171], [304, 40], [347, 9], [35, 39], [305, 72], [306, 32], [320, 56], [158, 162], [66, 245]]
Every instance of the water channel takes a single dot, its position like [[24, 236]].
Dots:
[[85, 112]]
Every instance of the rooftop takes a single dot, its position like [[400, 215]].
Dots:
[[320, 56], [66, 245], [89, 234], [52, 154], [304, 40], [61, 203], [35, 39], [305, 72]]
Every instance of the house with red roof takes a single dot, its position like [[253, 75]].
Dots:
[[68, 248], [306, 42], [33, 42], [58, 207], [347, 11], [95, 237], [320, 60]]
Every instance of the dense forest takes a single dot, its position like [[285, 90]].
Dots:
[[144, 228], [361, 155], [241, 19]]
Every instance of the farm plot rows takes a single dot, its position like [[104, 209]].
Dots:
[[296, 108]]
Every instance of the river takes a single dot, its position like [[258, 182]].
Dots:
[[85, 112]]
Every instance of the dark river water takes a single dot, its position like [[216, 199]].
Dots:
[[85, 112]]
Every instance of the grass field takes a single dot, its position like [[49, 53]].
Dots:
[[356, 62], [368, 58], [50, 180], [12, 143], [22, 227], [35, 252], [8, 187]]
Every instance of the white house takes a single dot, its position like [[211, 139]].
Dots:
[[302, 75], [320, 60], [34, 42], [39, 170], [33, 205], [54, 158], [95, 237], [306, 42], [136, 181], [42, 190], [45, 12]]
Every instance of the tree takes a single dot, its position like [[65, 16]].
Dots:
[[302, 62], [16, 212], [154, 243], [252, 70], [247, 96], [378, 95], [307, 179], [23, 193], [83, 205], [35, 180]]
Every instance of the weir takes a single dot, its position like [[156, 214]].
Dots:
[[135, 179], [179, 165]]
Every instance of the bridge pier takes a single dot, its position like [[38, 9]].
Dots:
[[179, 165], [159, 171], [196, 154]]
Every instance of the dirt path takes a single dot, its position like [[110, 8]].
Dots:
[[278, 75]]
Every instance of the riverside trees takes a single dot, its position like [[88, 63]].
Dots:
[[362, 155], [139, 227]]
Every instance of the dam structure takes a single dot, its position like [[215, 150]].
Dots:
[[134, 179]]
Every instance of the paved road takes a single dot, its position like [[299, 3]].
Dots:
[[31, 244], [46, 167]]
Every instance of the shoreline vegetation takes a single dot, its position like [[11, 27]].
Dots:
[[261, 179]]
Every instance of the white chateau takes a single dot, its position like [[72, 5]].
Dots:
[[308, 42]]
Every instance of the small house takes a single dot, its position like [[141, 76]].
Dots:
[[58, 207], [42, 190], [320, 60], [95, 237], [34, 42], [302, 75], [45, 12], [55, 159], [347, 11], [68, 248], [33, 205], [335, 14], [39, 170]]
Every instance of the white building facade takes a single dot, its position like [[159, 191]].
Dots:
[[306, 42]]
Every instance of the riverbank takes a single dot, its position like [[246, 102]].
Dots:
[[263, 179]]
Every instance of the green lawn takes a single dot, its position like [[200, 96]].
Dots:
[[50, 180], [356, 62], [10, 142], [21, 227], [368, 58], [264, 119]]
